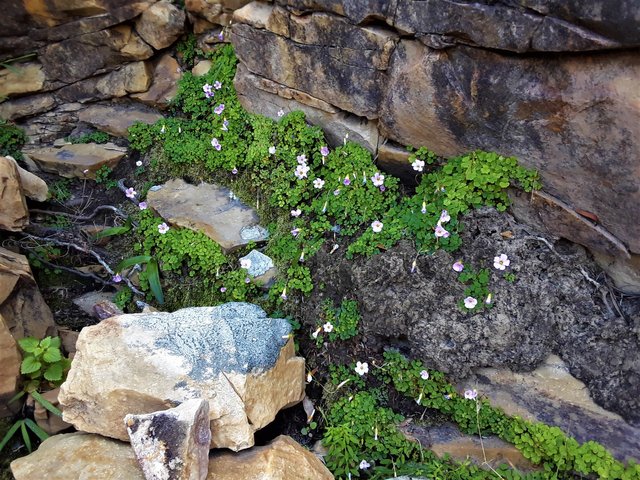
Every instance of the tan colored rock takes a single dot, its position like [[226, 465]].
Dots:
[[164, 84], [209, 209], [255, 14], [46, 420], [550, 394], [131, 78], [26, 106], [69, 339], [21, 78], [116, 118], [73, 160], [232, 355], [77, 456], [10, 359], [161, 24], [394, 159], [174, 443], [266, 97], [281, 459], [204, 9], [21, 304], [14, 215], [625, 272], [201, 68], [32, 185]]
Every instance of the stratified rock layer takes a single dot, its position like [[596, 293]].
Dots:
[[232, 355]]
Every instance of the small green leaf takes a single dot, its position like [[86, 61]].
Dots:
[[42, 435], [28, 344], [130, 262], [154, 280], [25, 436], [55, 342], [52, 355], [54, 372], [112, 231], [45, 342], [46, 403], [30, 365]]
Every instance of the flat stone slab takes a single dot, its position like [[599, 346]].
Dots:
[[116, 119], [81, 160], [210, 209]]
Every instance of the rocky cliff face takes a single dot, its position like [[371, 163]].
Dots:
[[550, 83]]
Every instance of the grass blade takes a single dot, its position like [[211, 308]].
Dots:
[[153, 275], [130, 262], [46, 403], [25, 435], [14, 428], [35, 428]]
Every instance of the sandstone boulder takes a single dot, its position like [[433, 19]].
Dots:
[[21, 303], [19, 79], [81, 160], [79, 455], [210, 209], [32, 185], [281, 459], [232, 355], [161, 24], [10, 359], [172, 443], [27, 106], [116, 118], [164, 84], [14, 215]]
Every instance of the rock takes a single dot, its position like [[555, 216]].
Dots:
[[83, 56], [172, 443], [21, 78], [87, 301], [342, 75], [263, 96], [418, 312], [26, 106], [10, 360], [454, 101], [259, 263], [21, 304], [14, 215], [164, 84], [32, 185], [232, 355], [116, 118], [204, 9], [255, 14], [161, 24], [550, 394], [624, 272], [447, 439], [394, 159], [209, 209], [281, 459], [82, 160], [68, 338], [78, 455], [46, 420], [201, 68]]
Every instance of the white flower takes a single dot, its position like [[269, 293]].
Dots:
[[280, 113], [315, 334], [327, 327], [424, 375], [362, 368], [441, 231], [272, 150], [301, 171], [245, 263], [364, 465], [488, 299], [444, 217], [418, 165], [377, 179], [163, 129], [296, 213], [376, 226], [470, 302], [470, 394], [318, 183], [302, 159], [501, 262], [163, 228], [139, 163]]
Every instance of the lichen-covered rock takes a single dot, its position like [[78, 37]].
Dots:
[[232, 355], [550, 307], [172, 444]]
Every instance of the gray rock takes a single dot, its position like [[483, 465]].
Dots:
[[550, 308], [172, 444], [232, 355], [260, 263]]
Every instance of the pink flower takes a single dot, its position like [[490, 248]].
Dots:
[[219, 109], [470, 302], [142, 205], [471, 394], [234, 171], [217, 85], [346, 182], [501, 262], [295, 232], [441, 232], [444, 217], [301, 171], [116, 278], [130, 193], [458, 266], [318, 183], [302, 159], [324, 151], [424, 375], [376, 226], [296, 213], [377, 179], [216, 144], [223, 289]]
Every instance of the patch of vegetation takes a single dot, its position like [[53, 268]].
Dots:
[[337, 323], [60, 190], [103, 177], [12, 139], [93, 137]]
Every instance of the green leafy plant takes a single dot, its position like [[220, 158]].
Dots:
[[477, 287], [93, 137], [42, 362], [103, 177], [338, 323], [60, 191], [24, 425], [12, 139], [151, 275]]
